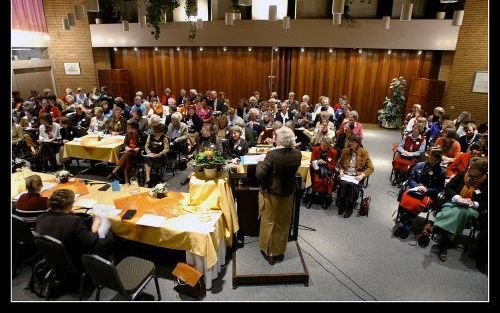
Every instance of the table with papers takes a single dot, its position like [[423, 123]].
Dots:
[[90, 147], [169, 222]]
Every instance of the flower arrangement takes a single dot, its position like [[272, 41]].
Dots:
[[63, 176], [209, 159], [159, 191]]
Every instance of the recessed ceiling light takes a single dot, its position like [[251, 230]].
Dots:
[[135, 49], [201, 48], [330, 50], [302, 49], [419, 52], [115, 48], [360, 50], [250, 49], [224, 49], [389, 51], [276, 49], [178, 48], [156, 48]]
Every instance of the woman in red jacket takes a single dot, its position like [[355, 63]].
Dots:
[[461, 162], [323, 161]]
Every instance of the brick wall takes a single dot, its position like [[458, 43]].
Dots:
[[446, 66], [71, 45], [471, 55]]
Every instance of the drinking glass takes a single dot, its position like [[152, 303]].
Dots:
[[134, 185]]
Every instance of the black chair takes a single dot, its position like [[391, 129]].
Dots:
[[310, 197], [61, 266], [129, 277], [22, 238]]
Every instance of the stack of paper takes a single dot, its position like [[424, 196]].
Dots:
[[151, 220], [47, 186], [350, 179], [85, 203]]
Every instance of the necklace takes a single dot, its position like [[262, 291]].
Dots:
[[469, 142]]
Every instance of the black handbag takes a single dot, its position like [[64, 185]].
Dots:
[[189, 281]]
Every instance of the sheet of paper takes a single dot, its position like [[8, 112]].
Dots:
[[47, 186], [119, 137], [104, 227], [252, 159], [350, 179], [151, 220], [85, 203], [105, 210]]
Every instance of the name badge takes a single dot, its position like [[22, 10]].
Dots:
[[431, 172], [329, 159], [477, 191], [417, 142], [239, 148]]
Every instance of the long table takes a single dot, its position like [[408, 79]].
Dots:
[[91, 148], [184, 229], [303, 170]]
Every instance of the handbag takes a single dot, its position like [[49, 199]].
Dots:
[[189, 281], [423, 237], [365, 206]]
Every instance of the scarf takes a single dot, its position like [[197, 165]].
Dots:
[[158, 109], [470, 185]]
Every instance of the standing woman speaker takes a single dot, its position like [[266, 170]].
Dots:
[[278, 184]]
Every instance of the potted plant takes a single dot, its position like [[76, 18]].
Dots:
[[391, 116], [159, 191], [210, 160], [63, 176]]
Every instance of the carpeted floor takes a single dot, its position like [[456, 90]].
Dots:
[[352, 259]]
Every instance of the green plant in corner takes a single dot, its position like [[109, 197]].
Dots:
[[391, 115]]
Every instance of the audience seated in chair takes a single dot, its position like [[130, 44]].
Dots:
[[467, 195], [117, 124], [323, 131], [354, 161], [68, 133], [98, 121], [78, 238], [236, 147], [449, 145], [471, 136], [156, 148], [461, 162], [425, 182], [177, 134], [323, 162], [32, 204], [50, 141], [408, 153], [134, 144]]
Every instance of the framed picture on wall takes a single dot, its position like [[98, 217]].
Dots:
[[72, 68], [480, 83]]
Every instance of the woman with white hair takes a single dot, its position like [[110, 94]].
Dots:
[[278, 184], [177, 132], [358, 127]]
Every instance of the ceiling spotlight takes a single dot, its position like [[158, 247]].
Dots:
[[330, 50], [135, 49], [178, 48], [156, 48], [360, 50], [276, 49], [115, 48], [249, 49], [302, 49], [224, 49], [389, 51], [419, 52], [201, 48]]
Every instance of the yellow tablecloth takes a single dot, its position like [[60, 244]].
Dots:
[[182, 230], [90, 148], [303, 170], [215, 194]]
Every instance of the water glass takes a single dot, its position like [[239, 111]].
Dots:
[[134, 185]]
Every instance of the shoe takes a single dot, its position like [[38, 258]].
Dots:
[[327, 203], [268, 258], [279, 258], [341, 210], [481, 266], [398, 231], [443, 255], [348, 213], [309, 204], [405, 232]]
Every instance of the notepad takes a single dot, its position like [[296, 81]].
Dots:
[[350, 179], [151, 220]]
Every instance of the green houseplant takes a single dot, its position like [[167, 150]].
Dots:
[[210, 160], [391, 116]]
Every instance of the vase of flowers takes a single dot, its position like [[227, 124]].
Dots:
[[63, 176], [211, 161], [159, 191]]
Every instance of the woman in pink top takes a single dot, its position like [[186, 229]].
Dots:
[[204, 111]]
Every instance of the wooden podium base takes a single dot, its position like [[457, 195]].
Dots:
[[250, 267]]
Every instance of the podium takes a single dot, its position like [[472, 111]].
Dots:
[[249, 267]]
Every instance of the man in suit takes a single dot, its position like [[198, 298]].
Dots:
[[278, 184], [284, 115]]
